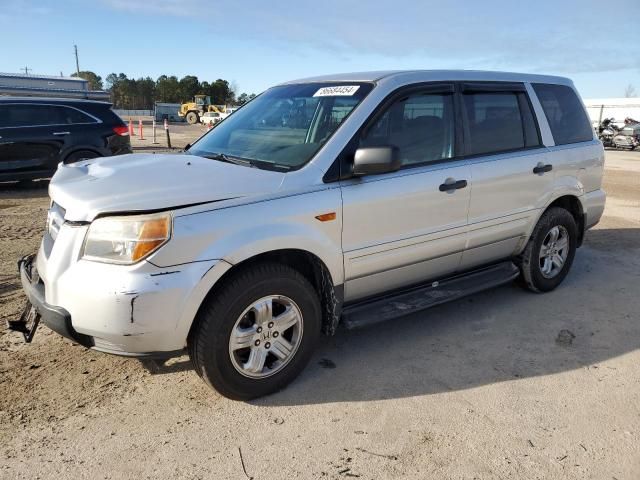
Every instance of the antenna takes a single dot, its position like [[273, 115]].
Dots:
[[75, 47]]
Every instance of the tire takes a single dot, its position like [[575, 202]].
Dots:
[[223, 313], [192, 118], [534, 267], [81, 155]]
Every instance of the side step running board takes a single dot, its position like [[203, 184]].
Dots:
[[425, 296]]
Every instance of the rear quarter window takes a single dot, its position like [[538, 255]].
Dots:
[[564, 111], [69, 116]]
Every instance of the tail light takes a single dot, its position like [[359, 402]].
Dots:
[[121, 130]]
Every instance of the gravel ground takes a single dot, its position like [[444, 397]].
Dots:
[[504, 384]]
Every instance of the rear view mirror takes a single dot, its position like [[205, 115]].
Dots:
[[376, 160]]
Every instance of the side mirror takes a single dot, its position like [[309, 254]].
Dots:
[[187, 147], [375, 160]]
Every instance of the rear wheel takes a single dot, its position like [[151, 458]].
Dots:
[[257, 333], [548, 256], [81, 155], [192, 118]]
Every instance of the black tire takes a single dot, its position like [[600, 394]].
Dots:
[[532, 276], [81, 155], [192, 118], [208, 342]]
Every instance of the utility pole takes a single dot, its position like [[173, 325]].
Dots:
[[26, 70], [75, 47]]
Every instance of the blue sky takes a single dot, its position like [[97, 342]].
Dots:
[[258, 43]]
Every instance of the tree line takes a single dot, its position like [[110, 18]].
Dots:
[[142, 93]]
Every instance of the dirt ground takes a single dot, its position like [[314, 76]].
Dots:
[[180, 135], [490, 387]]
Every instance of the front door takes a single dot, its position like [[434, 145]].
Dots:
[[408, 226], [27, 144]]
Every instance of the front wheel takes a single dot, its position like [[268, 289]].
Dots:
[[548, 256], [192, 118], [257, 332]]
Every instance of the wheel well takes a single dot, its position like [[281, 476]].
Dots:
[[307, 264], [78, 150], [573, 206]]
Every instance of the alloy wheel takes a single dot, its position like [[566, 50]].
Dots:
[[266, 336]]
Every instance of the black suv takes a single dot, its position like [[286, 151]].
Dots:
[[38, 133]]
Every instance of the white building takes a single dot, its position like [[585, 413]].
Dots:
[[618, 108], [16, 84]]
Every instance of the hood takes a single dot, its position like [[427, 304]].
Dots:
[[143, 182]]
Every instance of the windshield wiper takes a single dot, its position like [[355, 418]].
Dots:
[[229, 159], [246, 162]]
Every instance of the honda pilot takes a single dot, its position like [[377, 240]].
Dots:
[[370, 196]]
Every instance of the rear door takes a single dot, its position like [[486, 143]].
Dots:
[[27, 143], [408, 226], [510, 168], [78, 129]]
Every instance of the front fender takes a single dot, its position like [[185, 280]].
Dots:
[[238, 233]]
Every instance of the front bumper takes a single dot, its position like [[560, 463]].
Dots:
[[56, 318], [139, 310]]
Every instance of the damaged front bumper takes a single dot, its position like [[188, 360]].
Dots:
[[56, 318], [139, 311]]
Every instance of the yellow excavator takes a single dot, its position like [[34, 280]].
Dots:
[[192, 111]]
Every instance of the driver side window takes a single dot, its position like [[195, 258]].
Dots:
[[420, 125]]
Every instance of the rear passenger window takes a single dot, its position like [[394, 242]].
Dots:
[[420, 125], [564, 111], [68, 116], [498, 122]]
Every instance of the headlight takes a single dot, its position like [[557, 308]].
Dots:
[[126, 240]]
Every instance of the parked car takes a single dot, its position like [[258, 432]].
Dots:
[[210, 118], [38, 133], [628, 137], [404, 190]]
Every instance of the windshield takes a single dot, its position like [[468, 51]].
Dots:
[[285, 126]]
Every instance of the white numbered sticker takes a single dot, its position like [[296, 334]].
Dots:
[[337, 91]]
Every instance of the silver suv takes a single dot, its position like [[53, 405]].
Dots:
[[348, 199]]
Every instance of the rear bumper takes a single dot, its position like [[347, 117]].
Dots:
[[119, 145]]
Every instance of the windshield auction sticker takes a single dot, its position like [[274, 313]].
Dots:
[[337, 91]]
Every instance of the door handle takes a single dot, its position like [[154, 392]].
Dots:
[[450, 185], [542, 168], [61, 133]]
